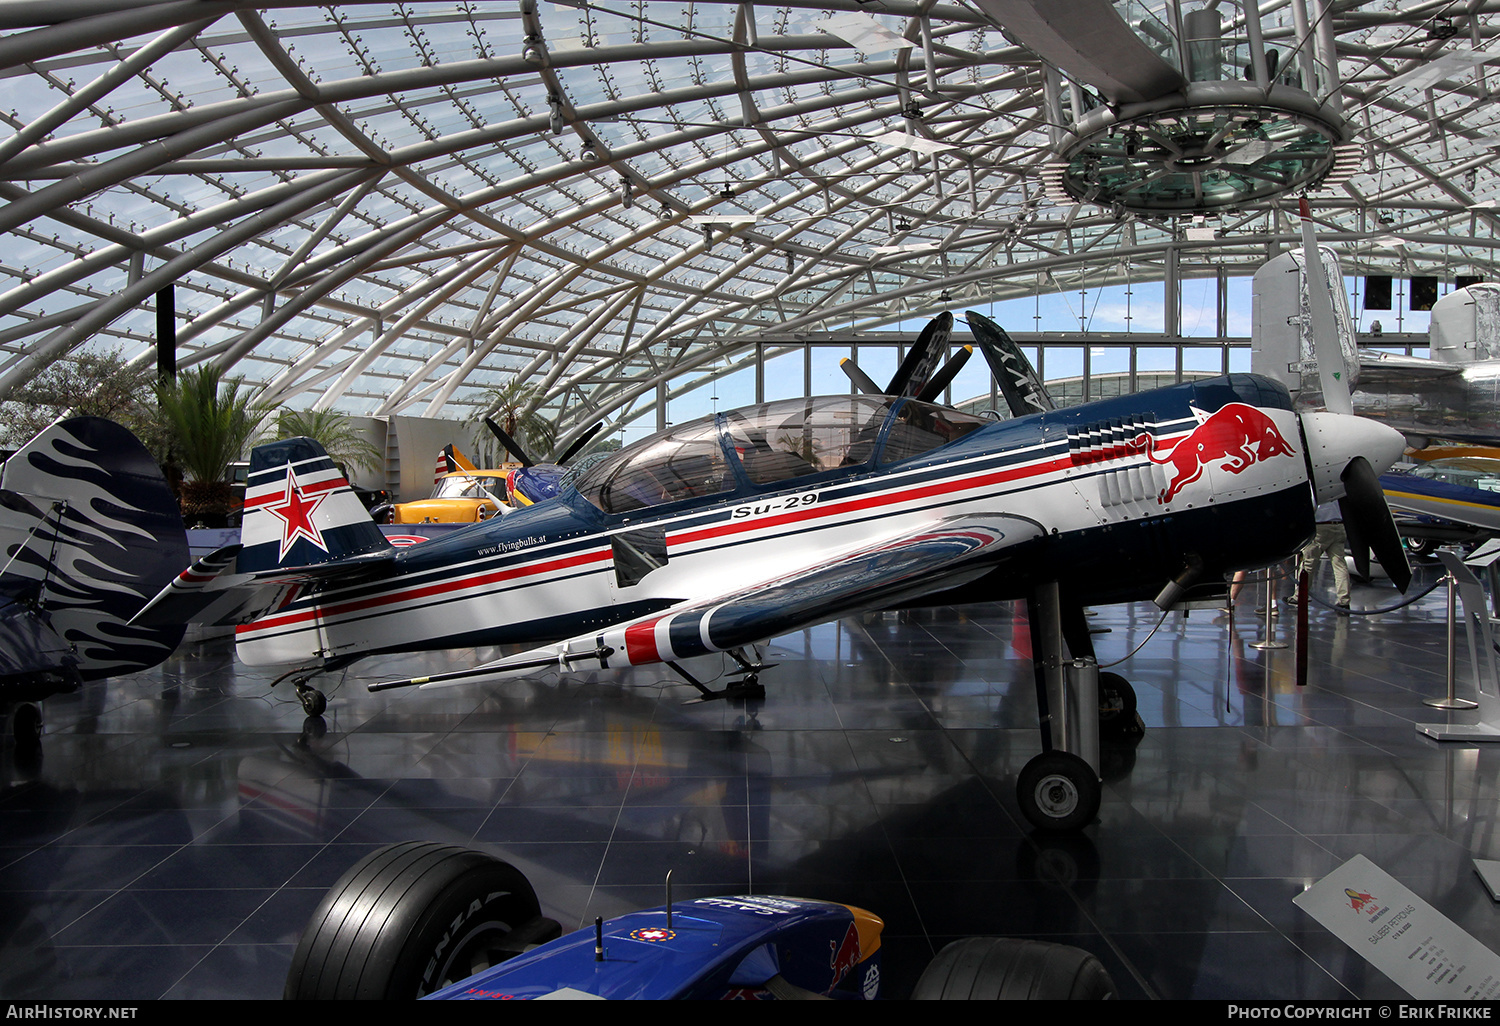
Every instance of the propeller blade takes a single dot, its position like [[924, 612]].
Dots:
[[582, 440], [860, 378], [943, 377], [1333, 375], [1368, 520], [921, 358], [1023, 390], [510, 443]]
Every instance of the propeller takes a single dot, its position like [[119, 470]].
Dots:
[[1023, 390], [915, 378], [580, 442], [861, 380], [1369, 525], [514, 447], [945, 375], [922, 357], [511, 445], [1332, 372]]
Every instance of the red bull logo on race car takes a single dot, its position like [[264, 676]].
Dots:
[[1238, 434]]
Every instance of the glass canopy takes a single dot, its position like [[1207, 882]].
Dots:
[[389, 208]]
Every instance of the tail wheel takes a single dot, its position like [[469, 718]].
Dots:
[[1001, 969], [411, 918], [1058, 791]]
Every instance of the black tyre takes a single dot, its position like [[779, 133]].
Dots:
[[1058, 791], [314, 702], [1117, 713], [1421, 547], [1001, 969], [26, 725], [411, 918]]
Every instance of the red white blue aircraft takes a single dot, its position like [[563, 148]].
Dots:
[[724, 532]]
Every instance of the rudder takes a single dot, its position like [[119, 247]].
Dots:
[[299, 510], [90, 532]]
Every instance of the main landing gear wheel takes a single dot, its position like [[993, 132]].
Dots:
[[411, 918], [1117, 712], [1058, 791], [1002, 969]]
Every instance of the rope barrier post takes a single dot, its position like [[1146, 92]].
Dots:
[[1451, 701], [1267, 640]]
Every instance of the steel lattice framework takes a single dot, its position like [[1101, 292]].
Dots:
[[391, 207]]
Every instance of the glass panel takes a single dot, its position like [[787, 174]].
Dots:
[[680, 463], [796, 438], [922, 427]]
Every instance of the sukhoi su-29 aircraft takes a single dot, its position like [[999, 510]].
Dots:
[[718, 534]]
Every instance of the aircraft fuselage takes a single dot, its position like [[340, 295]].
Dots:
[[1129, 490]]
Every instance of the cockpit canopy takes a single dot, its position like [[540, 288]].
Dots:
[[763, 446]]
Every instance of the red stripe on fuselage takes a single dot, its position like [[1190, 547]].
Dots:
[[838, 508], [428, 591]]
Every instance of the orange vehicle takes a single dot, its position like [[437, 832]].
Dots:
[[461, 494]]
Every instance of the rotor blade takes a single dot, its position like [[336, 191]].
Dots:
[[1023, 389], [510, 443], [860, 378], [582, 440], [1332, 373], [922, 357], [1368, 518], [943, 377]]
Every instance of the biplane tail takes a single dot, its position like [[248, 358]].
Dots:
[[90, 531], [299, 511]]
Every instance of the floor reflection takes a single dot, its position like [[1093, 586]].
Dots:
[[178, 826]]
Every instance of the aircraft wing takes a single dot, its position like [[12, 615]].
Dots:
[[942, 555], [214, 591], [1392, 372]]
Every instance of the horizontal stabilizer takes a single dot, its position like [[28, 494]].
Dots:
[[214, 590]]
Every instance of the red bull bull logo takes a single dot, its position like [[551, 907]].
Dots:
[[1238, 434], [845, 955]]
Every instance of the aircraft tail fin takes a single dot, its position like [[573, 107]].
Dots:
[[299, 510], [90, 531]]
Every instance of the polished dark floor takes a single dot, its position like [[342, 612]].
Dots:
[[181, 824]]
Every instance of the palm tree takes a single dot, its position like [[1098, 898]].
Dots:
[[335, 432], [508, 404], [209, 420]]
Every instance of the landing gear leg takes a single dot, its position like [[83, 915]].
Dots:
[[1060, 789]]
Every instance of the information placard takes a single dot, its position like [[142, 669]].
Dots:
[[1423, 951]]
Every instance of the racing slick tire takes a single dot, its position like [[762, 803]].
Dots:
[[1058, 791], [1004, 969], [411, 918]]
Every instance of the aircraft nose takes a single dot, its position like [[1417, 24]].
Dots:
[[1333, 439]]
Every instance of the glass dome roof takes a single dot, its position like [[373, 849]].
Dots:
[[389, 208]]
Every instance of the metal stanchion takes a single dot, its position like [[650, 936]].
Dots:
[[1268, 640], [1450, 701]]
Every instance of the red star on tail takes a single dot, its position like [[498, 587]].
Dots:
[[296, 511]]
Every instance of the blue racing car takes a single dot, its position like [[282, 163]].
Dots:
[[421, 919]]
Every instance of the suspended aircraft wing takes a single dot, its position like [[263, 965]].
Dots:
[[215, 591], [1389, 372], [943, 555]]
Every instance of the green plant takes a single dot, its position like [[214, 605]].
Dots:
[[345, 444], [209, 420], [508, 404], [85, 384]]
